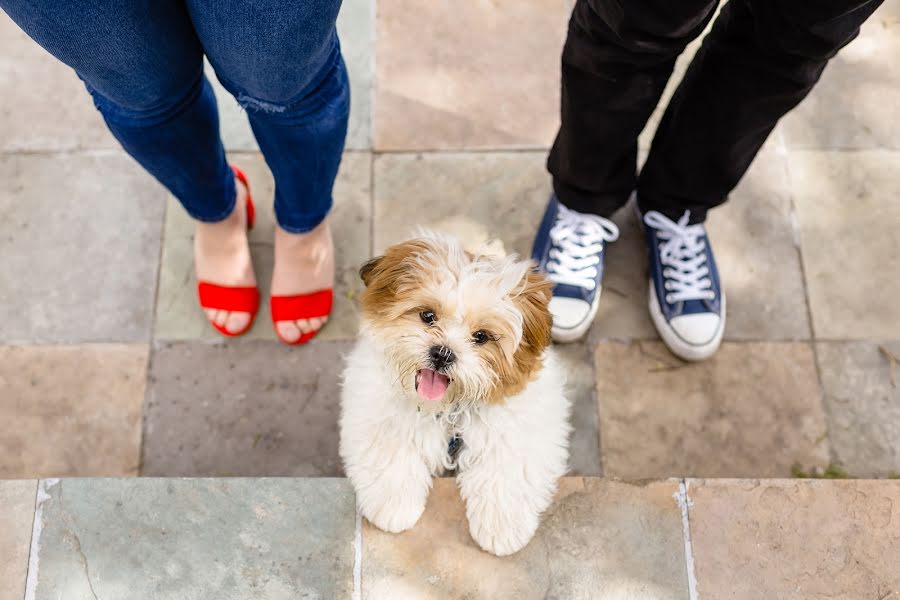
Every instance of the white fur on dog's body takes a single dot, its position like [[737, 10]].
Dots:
[[393, 444]]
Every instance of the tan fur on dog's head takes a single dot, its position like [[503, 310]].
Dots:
[[490, 312]]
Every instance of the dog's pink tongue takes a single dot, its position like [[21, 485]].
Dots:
[[431, 385]]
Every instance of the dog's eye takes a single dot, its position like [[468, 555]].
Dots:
[[481, 337], [427, 316]]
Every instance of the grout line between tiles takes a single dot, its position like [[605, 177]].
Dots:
[[37, 526], [37, 486], [357, 558], [684, 503]]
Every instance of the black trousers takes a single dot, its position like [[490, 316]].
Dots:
[[759, 61]]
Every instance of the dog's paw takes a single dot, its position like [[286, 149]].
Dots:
[[498, 531], [394, 514]]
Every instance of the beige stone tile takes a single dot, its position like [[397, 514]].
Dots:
[[71, 411], [847, 216], [862, 402], [16, 516], [856, 103], [178, 314], [79, 241], [468, 74], [476, 196], [796, 540], [45, 106], [601, 539], [756, 252], [754, 409]]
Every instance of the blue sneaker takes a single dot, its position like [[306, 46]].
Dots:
[[686, 300], [569, 249]]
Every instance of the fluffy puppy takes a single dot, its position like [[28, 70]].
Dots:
[[452, 371]]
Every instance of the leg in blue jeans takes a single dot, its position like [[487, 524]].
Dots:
[[142, 62]]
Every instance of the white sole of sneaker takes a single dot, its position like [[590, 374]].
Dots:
[[679, 347], [573, 334]]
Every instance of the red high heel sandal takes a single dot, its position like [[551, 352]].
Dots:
[[301, 306], [232, 299]]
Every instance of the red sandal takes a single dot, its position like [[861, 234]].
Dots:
[[234, 299], [301, 306]]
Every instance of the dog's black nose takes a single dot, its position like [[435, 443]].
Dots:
[[441, 357]]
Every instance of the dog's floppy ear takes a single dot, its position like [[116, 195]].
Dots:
[[533, 299], [367, 271]]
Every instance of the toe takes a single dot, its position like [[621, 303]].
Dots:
[[304, 325], [237, 322], [288, 331], [211, 314], [221, 317]]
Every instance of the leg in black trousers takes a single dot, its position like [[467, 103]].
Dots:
[[616, 62], [760, 60]]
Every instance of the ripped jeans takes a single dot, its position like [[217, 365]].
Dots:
[[142, 61]]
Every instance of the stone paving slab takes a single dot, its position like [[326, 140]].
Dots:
[[601, 539], [584, 450], [847, 216], [251, 408], [16, 511], [45, 106], [71, 410], [456, 83], [477, 196], [796, 540], [80, 239], [199, 539], [754, 409], [862, 402], [355, 29], [756, 252], [178, 313], [856, 103]]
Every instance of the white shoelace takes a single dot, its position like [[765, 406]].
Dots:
[[683, 254], [578, 239]]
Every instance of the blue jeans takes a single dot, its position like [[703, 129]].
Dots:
[[142, 61]]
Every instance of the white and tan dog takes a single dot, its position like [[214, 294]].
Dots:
[[452, 370]]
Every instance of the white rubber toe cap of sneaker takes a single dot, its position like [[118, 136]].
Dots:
[[568, 312], [697, 329]]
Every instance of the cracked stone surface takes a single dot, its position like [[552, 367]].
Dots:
[[796, 540], [198, 539], [16, 516], [600, 539]]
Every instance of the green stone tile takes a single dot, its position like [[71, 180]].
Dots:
[[222, 539]]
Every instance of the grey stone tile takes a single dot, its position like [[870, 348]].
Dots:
[[796, 540], [45, 106], [856, 103], [847, 217], [355, 29], [584, 443], [754, 409], [226, 539], [179, 315], [16, 516], [71, 411], [862, 402], [756, 252], [476, 196], [80, 239], [468, 77], [252, 408], [600, 539]]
